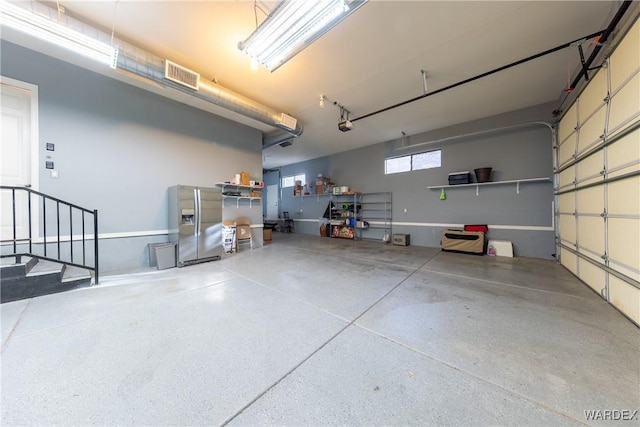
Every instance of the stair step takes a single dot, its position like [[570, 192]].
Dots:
[[45, 278], [47, 267], [9, 269], [79, 276]]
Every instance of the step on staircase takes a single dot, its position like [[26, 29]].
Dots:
[[33, 277]]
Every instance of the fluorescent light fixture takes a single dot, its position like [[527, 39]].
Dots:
[[48, 30], [292, 26]]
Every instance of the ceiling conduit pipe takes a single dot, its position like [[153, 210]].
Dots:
[[142, 63], [604, 35], [479, 76], [482, 132]]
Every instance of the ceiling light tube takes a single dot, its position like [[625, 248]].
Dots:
[[48, 30], [292, 26]]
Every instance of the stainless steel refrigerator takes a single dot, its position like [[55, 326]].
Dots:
[[195, 223]]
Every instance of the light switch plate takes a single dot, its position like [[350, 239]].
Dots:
[[51, 147], [55, 173], [48, 164]]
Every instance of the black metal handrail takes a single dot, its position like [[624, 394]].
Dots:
[[29, 240]]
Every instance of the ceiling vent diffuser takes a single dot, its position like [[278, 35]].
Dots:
[[288, 121], [181, 75]]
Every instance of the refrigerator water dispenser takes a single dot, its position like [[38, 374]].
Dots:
[[188, 216]]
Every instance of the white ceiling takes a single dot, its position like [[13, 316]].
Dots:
[[370, 61]]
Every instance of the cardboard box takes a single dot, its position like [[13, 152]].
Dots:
[[267, 234], [228, 236], [255, 193], [243, 231], [319, 189], [244, 178], [322, 180]]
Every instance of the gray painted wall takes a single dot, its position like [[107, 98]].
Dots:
[[118, 148], [514, 154]]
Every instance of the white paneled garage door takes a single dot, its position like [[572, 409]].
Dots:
[[598, 178]]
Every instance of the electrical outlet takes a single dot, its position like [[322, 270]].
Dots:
[[55, 174], [48, 164], [405, 210]]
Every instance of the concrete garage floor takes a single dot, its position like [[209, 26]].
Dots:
[[318, 331]]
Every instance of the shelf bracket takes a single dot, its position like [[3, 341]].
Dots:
[[477, 190], [518, 187]]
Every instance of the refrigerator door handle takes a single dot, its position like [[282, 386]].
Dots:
[[196, 199]]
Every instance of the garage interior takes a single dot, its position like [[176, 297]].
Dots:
[[306, 326]]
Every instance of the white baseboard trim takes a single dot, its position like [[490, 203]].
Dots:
[[149, 233], [105, 236], [447, 225], [491, 226]]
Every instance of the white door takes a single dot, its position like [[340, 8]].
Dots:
[[15, 156], [272, 201]]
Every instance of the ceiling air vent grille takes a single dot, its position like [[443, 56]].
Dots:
[[181, 75], [288, 122]]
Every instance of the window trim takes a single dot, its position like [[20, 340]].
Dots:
[[293, 176], [410, 156]]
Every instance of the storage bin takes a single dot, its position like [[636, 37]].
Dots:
[[469, 242], [162, 255], [457, 178], [477, 227]]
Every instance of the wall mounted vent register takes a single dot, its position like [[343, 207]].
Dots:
[[288, 121], [181, 75]]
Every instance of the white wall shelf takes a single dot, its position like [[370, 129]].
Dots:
[[481, 184], [224, 185], [312, 195]]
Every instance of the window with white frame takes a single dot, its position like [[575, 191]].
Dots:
[[413, 162], [397, 165], [427, 160], [290, 181]]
